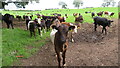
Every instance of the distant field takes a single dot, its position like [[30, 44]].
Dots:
[[87, 17], [14, 42]]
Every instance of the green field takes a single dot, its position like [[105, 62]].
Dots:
[[16, 42]]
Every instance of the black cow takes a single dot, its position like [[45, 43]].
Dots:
[[8, 19], [92, 14], [103, 22], [28, 18], [18, 17]]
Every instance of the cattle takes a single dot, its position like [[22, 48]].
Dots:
[[41, 26], [103, 22], [8, 19], [79, 19], [87, 12], [32, 27], [28, 18], [48, 21], [18, 17], [109, 13], [61, 19], [75, 14], [100, 13], [24, 17], [60, 41], [92, 14]]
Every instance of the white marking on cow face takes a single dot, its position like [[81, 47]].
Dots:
[[52, 35], [75, 30]]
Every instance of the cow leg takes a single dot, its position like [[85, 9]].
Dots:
[[12, 25], [44, 29], [34, 33], [38, 31], [63, 55], [59, 59], [95, 27], [8, 25], [27, 21], [72, 40], [104, 28], [30, 33]]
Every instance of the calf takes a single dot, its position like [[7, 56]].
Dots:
[[32, 27], [75, 14], [92, 14], [61, 19], [41, 26], [109, 13], [27, 18], [100, 13], [103, 22], [79, 19], [18, 17], [60, 40], [8, 20]]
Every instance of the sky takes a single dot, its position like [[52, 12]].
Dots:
[[46, 4]]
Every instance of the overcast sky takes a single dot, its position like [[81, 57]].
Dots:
[[54, 4]]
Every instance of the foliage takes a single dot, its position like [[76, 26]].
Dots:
[[108, 3], [63, 4], [78, 3]]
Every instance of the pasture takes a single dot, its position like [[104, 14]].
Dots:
[[90, 49]]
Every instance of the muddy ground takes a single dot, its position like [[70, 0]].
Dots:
[[89, 49]]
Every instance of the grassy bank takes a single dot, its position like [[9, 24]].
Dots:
[[17, 42]]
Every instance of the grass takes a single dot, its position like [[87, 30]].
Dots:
[[17, 42], [87, 17]]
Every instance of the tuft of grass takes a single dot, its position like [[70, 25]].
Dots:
[[15, 43]]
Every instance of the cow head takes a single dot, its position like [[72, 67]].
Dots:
[[62, 32], [109, 22]]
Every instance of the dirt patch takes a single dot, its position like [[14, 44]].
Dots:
[[90, 49]]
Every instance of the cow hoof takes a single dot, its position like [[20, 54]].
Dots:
[[64, 65]]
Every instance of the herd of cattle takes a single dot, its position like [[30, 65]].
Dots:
[[60, 28]]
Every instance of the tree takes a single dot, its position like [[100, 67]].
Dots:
[[78, 3], [63, 4], [104, 4], [18, 3], [109, 2]]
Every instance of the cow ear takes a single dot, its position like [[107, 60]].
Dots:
[[71, 27], [111, 21]]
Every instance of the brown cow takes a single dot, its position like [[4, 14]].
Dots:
[[75, 14], [100, 13], [60, 41], [79, 19], [109, 13]]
